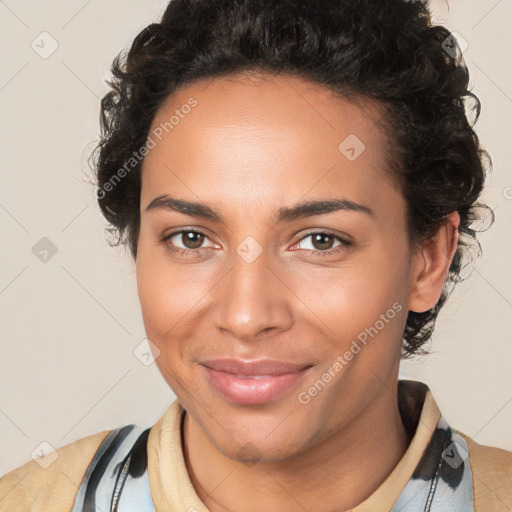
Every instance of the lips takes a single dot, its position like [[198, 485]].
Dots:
[[253, 382], [254, 367]]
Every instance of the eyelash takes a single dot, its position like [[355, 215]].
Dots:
[[187, 252]]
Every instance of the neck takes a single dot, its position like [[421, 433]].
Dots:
[[339, 473]]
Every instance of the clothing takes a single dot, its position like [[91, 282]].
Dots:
[[137, 468]]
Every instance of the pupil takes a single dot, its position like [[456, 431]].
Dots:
[[189, 242], [318, 238]]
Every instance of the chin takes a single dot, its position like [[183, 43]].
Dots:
[[260, 443], [250, 453]]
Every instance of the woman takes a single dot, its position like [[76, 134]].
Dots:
[[297, 183]]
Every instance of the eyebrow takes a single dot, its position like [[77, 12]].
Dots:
[[284, 214]]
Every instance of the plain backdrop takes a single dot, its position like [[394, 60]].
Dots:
[[69, 325]]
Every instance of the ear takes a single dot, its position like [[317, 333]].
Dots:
[[431, 264]]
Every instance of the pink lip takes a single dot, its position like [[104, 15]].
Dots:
[[274, 378]]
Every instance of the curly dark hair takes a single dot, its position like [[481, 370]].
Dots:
[[387, 51]]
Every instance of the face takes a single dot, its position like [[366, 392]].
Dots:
[[278, 299]]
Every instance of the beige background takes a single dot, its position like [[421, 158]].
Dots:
[[69, 326]]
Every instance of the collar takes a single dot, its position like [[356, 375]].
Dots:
[[172, 489]]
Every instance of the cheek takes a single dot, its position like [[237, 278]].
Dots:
[[160, 294], [351, 298], [170, 295], [163, 304]]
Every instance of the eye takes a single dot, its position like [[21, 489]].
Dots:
[[191, 240], [322, 243]]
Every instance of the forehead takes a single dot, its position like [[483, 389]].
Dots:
[[278, 136]]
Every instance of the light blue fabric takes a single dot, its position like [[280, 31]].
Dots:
[[437, 494], [116, 489], [117, 478]]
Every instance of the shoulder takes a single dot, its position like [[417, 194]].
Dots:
[[49, 482], [492, 475]]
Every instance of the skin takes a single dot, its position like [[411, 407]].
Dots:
[[251, 146]]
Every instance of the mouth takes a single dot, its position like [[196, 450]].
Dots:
[[253, 382]]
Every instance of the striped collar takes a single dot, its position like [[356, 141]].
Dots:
[[139, 469], [434, 474]]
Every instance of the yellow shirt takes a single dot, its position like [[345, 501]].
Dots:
[[487, 475]]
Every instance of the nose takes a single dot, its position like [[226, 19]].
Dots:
[[252, 301]]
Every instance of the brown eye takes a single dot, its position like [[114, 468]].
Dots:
[[322, 241], [192, 239], [187, 242]]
